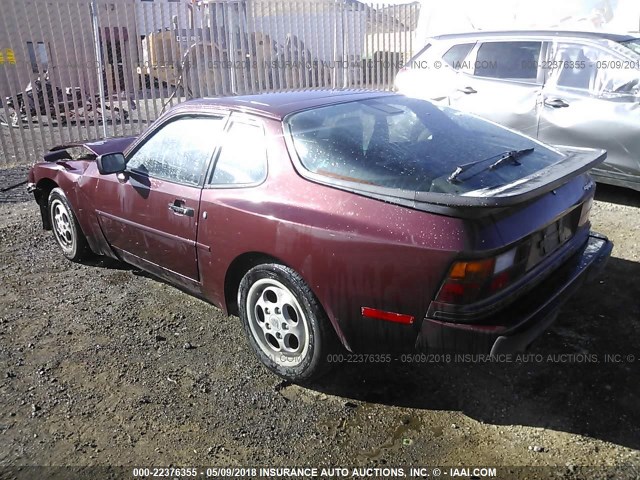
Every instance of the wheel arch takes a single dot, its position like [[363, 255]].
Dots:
[[241, 265], [41, 194], [237, 270]]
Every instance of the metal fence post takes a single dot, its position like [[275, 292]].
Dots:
[[346, 66], [96, 38]]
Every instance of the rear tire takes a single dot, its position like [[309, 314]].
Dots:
[[66, 229], [284, 323]]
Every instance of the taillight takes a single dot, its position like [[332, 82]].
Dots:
[[473, 280]]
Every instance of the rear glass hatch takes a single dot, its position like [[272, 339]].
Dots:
[[421, 155]]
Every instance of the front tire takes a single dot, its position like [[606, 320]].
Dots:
[[284, 323], [65, 227]]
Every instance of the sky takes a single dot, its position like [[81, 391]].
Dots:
[[449, 16], [392, 2]]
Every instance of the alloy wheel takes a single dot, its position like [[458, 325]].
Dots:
[[277, 322]]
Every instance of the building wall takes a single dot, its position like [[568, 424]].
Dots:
[[63, 29], [58, 35]]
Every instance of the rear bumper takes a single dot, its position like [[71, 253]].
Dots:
[[515, 328]]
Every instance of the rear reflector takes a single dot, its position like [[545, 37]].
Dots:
[[369, 312]]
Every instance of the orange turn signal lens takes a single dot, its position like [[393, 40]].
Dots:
[[476, 268], [481, 267], [458, 270], [475, 280]]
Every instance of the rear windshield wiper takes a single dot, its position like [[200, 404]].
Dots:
[[511, 156]]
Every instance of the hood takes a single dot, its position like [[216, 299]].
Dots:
[[88, 150], [111, 145]]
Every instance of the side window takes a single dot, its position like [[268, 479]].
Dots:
[[455, 55], [179, 151], [508, 60], [574, 66], [243, 157]]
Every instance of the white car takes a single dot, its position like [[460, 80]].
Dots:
[[564, 88]]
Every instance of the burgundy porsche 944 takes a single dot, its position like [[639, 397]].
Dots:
[[377, 221]]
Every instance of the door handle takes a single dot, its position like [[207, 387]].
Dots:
[[467, 90], [555, 103], [178, 208]]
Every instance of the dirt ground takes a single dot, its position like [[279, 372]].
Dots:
[[101, 364]]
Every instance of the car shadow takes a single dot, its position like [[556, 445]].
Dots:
[[617, 195], [577, 378], [102, 261], [109, 263]]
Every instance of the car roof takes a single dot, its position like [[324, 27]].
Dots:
[[278, 105], [591, 35]]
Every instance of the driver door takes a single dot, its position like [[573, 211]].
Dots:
[[149, 213]]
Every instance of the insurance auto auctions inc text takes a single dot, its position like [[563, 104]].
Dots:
[[374, 472]]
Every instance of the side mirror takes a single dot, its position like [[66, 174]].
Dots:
[[111, 163]]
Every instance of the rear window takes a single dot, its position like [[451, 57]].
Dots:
[[410, 144]]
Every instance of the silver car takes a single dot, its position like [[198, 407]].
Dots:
[[564, 88]]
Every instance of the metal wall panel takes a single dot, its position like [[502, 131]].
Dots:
[[156, 54]]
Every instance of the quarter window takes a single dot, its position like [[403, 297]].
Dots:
[[179, 151], [508, 60], [243, 158], [455, 55]]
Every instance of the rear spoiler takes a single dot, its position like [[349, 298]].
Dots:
[[574, 162]]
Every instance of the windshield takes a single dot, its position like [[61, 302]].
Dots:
[[403, 143], [633, 45]]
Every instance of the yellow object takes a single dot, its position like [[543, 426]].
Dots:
[[11, 57], [475, 268]]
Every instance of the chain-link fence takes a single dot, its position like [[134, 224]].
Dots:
[[74, 70]]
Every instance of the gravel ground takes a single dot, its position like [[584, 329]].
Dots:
[[101, 364]]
